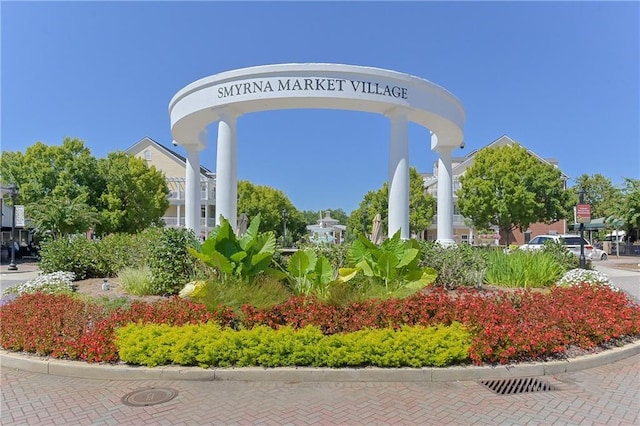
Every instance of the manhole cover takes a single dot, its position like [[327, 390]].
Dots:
[[519, 385], [149, 396]]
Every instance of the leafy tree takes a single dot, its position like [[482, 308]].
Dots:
[[421, 207], [600, 193], [62, 216], [134, 196], [63, 172], [128, 195], [270, 203], [630, 212], [508, 187]]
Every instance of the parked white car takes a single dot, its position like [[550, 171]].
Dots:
[[570, 241], [599, 254]]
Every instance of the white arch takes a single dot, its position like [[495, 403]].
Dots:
[[225, 96]]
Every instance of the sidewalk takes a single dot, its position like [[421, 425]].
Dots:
[[26, 271]]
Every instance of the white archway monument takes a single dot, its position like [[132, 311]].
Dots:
[[403, 98]]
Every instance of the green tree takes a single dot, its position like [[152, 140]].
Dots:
[[421, 207], [508, 187], [134, 196], [63, 172], [630, 211], [270, 203], [127, 194], [604, 198], [62, 217]]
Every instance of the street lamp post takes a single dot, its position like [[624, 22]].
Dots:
[[14, 194], [285, 215], [583, 262]]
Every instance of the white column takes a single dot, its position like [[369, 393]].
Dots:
[[399, 175], [227, 172], [445, 193], [192, 189], [178, 214]]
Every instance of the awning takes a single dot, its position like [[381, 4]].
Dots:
[[594, 225]]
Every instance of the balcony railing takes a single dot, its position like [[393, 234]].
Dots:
[[173, 222], [180, 196], [458, 219]]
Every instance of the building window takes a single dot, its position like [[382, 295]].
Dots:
[[147, 155], [527, 237]]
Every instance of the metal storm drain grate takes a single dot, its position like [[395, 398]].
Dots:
[[149, 396], [519, 385]]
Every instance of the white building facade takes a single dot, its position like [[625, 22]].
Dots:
[[174, 167]]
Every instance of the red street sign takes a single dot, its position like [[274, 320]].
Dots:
[[583, 213]]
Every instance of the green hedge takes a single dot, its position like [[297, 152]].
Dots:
[[96, 258], [209, 345]]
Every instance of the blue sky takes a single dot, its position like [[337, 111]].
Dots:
[[561, 78]]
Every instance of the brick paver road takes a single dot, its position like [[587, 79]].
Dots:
[[608, 395]]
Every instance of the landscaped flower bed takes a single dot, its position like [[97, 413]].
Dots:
[[504, 326]]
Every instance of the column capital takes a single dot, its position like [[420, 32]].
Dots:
[[228, 115], [197, 142], [397, 112], [442, 145]]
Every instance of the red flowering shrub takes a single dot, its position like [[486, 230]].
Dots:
[[523, 325], [47, 324], [65, 327], [506, 327]]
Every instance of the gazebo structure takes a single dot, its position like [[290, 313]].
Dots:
[[327, 230], [403, 98]]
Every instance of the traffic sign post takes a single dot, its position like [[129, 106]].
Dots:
[[583, 215]]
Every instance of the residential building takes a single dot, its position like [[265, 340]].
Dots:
[[173, 165], [462, 231]]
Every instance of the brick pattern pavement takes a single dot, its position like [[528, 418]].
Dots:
[[607, 395]]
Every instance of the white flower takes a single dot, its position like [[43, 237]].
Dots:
[[56, 282], [579, 276]]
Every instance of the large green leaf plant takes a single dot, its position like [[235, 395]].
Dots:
[[309, 273], [393, 264], [238, 258]]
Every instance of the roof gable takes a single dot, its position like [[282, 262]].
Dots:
[[503, 140], [147, 142]]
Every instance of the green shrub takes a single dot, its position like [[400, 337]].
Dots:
[[119, 251], [171, 264], [137, 281], [457, 265], [523, 269], [77, 255], [97, 258], [209, 345]]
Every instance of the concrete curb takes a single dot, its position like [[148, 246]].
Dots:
[[79, 369]]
